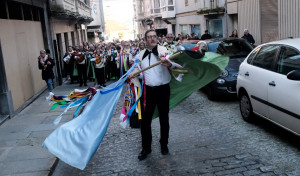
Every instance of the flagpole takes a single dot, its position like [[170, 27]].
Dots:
[[157, 63]]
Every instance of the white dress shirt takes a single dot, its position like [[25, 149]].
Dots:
[[156, 76]]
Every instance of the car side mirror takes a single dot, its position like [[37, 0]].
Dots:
[[294, 75]]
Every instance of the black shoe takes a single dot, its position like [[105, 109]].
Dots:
[[143, 154], [80, 85], [85, 84], [164, 150], [104, 85]]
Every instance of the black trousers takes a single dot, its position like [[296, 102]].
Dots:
[[155, 96], [100, 76], [82, 73]]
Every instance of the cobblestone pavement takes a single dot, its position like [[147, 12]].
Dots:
[[206, 138]]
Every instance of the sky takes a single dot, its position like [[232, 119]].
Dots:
[[119, 10]]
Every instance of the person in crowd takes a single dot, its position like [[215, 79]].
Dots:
[[69, 63], [187, 36], [90, 65], [142, 46], [234, 33], [46, 64], [126, 57], [247, 36], [157, 94], [178, 37], [99, 67], [81, 65], [114, 55], [160, 41], [206, 35], [108, 66]]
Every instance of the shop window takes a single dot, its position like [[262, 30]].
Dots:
[[14, 10], [184, 29], [3, 12], [216, 28], [186, 3], [195, 28]]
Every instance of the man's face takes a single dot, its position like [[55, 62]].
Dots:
[[151, 39], [80, 47], [70, 49], [246, 32], [127, 45], [170, 38]]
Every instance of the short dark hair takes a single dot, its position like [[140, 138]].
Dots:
[[150, 30]]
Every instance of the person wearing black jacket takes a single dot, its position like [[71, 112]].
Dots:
[[206, 35], [248, 37], [46, 64]]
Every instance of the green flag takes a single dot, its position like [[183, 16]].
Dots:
[[197, 72]]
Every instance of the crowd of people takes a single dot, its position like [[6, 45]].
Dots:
[[102, 61]]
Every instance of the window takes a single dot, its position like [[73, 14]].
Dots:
[[3, 12], [289, 59], [265, 57], [14, 10], [36, 13], [27, 12], [250, 58], [184, 29], [66, 40], [186, 2]]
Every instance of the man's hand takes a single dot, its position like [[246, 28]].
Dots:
[[49, 63], [45, 66], [131, 75], [165, 62]]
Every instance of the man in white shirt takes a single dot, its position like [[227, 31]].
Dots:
[[157, 93]]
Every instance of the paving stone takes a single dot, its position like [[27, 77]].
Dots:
[[231, 171], [267, 168], [252, 172]]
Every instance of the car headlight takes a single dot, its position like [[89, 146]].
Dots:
[[220, 81], [224, 73]]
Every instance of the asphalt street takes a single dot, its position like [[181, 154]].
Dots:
[[206, 138]]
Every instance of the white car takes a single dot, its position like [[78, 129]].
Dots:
[[268, 84]]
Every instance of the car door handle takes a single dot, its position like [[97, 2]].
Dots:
[[247, 74], [272, 83]]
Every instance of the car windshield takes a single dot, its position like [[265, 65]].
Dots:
[[231, 48]]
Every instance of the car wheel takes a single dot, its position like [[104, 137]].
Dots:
[[210, 94], [246, 107]]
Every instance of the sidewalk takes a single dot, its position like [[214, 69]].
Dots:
[[22, 136]]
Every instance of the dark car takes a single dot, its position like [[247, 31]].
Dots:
[[237, 50]]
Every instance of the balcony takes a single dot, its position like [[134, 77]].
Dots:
[[168, 9], [155, 12], [213, 11], [75, 10]]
